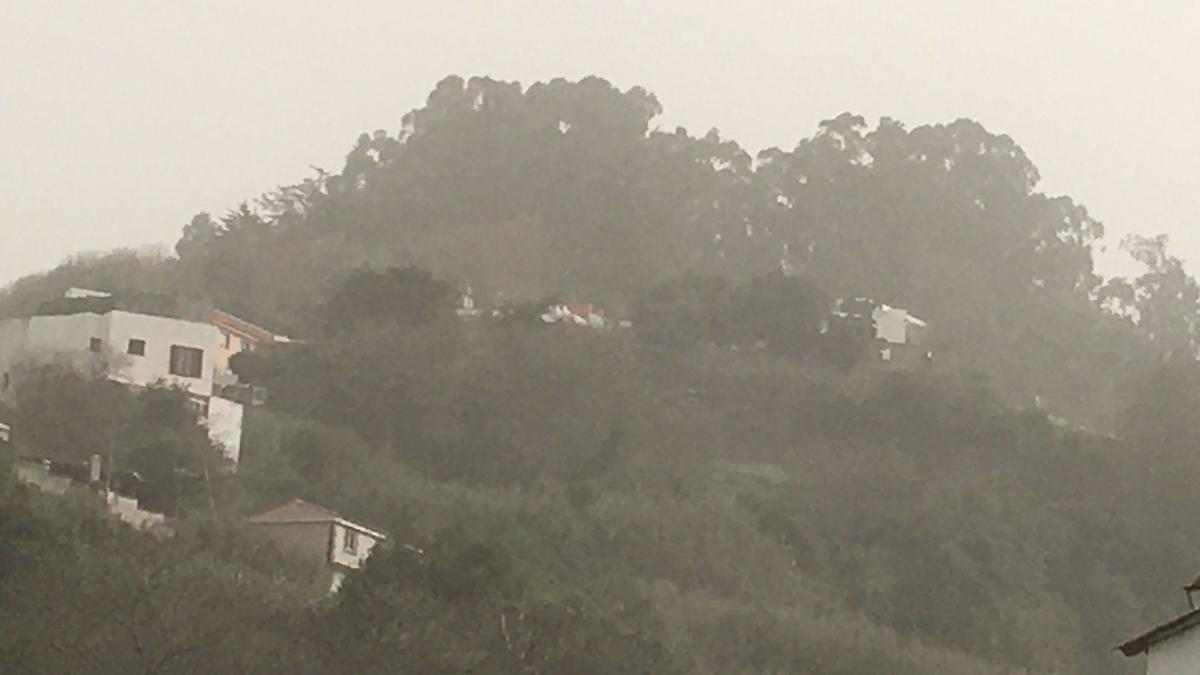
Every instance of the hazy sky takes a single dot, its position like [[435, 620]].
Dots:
[[121, 119]]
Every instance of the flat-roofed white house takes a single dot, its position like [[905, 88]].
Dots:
[[319, 535], [136, 349]]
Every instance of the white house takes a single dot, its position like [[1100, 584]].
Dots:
[[320, 535], [579, 314], [896, 332], [135, 349], [1172, 648], [897, 326], [139, 349]]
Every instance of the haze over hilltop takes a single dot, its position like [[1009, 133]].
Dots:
[[121, 121], [611, 394]]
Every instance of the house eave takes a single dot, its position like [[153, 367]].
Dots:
[[1142, 643], [240, 326], [317, 521]]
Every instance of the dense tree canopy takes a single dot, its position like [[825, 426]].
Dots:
[[727, 487]]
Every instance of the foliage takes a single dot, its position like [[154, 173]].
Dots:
[[405, 298], [68, 416], [567, 495]]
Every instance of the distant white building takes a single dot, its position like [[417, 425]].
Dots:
[[898, 335], [579, 314], [76, 293], [897, 326], [319, 535], [466, 306], [132, 348]]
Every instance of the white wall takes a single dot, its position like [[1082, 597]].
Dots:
[[160, 333], [66, 333], [12, 345], [1179, 655], [63, 339], [72, 334], [336, 580], [343, 557], [891, 324], [128, 510], [225, 426], [74, 292]]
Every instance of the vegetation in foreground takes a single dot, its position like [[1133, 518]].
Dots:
[[662, 499]]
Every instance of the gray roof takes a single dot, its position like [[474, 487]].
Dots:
[[300, 511]]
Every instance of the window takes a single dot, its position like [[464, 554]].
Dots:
[[225, 339], [186, 361], [349, 541], [137, 347], [95, 344], [5, 382]]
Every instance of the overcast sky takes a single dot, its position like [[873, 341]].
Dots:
[[121, 119]]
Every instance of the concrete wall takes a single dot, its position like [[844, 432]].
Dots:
[[308, 540], [1179, 655], [356, 559], [39, 476], [335, 581], [160, 334], [130, 513], [225, 426], [71, 335], [12, 345], [67, 333]]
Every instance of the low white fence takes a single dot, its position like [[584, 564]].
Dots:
[[126, 509]]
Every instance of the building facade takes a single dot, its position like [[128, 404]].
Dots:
[[320, 536], [235, 336], [135, 349]]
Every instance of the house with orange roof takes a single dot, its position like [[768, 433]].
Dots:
[[236, 335]]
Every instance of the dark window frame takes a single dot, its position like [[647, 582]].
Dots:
[[186, 361], [95, 345], [349, 540], [137, 347]]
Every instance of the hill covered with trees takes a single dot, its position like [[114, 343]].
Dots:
[[723, 488]]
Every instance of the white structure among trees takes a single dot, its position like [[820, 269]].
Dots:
[[129, 347]]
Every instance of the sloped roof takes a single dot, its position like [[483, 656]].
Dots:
[[1142, 643], [239, 325], [294, 511], [300, 511]]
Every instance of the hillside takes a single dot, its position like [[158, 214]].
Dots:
[[725, 487]]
